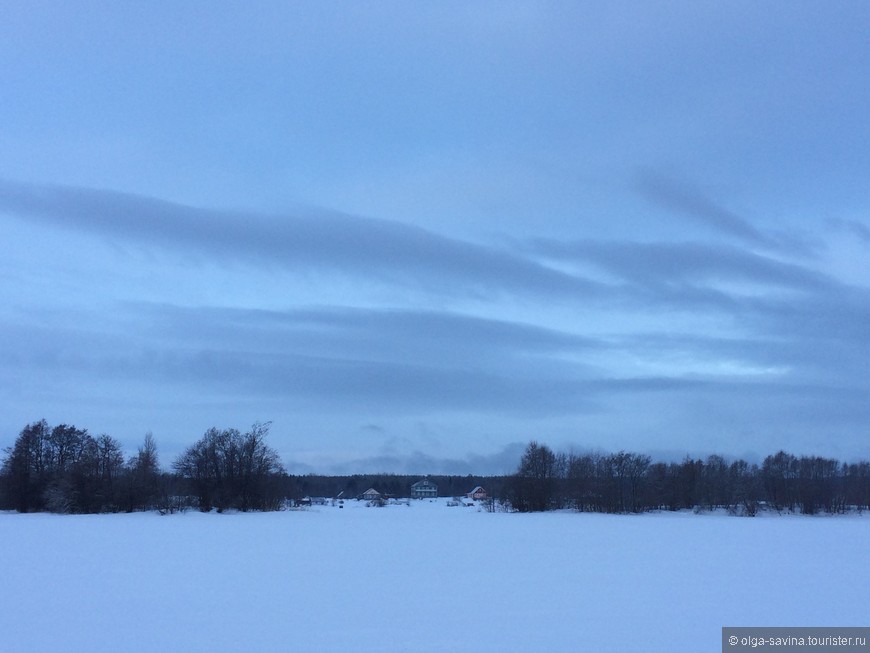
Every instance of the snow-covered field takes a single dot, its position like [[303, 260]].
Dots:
[[421, 577]]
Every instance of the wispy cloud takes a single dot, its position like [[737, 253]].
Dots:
[[375, 249], [696, 263], [440, 337], [683, 198], [338, 357], [854, 227]]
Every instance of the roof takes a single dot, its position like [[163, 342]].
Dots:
[[425, 482]]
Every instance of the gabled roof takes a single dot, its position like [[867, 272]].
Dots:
[[424, 482], [371, 490]]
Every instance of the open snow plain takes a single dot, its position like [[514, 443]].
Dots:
[[421, 577]]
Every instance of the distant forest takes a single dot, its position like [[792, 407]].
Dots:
[[629, 482], [64, 469]]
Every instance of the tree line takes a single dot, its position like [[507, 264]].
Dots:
[[627, 482], [65, 469]]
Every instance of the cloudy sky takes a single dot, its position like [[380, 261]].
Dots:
[[416, 236]]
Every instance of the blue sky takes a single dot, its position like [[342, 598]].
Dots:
[[415, 237]]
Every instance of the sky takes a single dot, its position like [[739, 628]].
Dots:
[[416, 236]]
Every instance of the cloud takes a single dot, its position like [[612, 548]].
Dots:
[[503, 461], [683, 198], [347, 359], [685, 330], [696, 263], [856, 228], [380, 250], [436, 337], [352, 359], [368, 362]]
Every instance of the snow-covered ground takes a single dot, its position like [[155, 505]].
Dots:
[[421, 577]]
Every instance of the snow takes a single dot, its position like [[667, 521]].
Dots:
[[420, 577]]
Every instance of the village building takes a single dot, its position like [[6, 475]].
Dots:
[[424, 489], [478, 494], [371, 495]]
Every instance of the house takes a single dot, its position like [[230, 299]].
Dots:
[[478, 494], [371, 495], [424, 489]]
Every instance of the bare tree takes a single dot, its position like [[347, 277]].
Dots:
[[229, 469], [533, 486], [144, 476], [24, 468]]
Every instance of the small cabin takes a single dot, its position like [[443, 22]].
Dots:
[[477, 494], [371, 495]]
